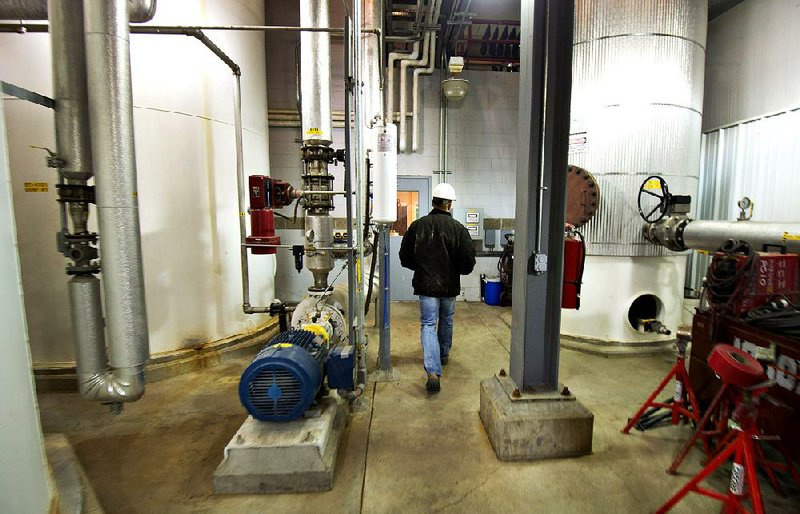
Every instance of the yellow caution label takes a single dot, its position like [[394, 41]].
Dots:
[[653, 183], [359, 279], [790, 237], [241, 214], [36, 187], [283, 345], [314, 131]]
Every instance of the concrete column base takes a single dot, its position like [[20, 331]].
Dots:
[[289, 457], [534, 426]]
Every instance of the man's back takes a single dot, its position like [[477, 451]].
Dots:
[[439, 250]]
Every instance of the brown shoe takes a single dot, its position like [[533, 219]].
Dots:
[[433, 385]]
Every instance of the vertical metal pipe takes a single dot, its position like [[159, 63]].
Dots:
[[88, 329], [348, 174], [360, 178], [373, 51], [237, 122], [384, 301], [111, 120], [315, 70], [69, 88]]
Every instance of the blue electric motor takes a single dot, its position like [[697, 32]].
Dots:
[[284, 378]]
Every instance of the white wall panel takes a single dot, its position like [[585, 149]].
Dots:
[[752, 66]]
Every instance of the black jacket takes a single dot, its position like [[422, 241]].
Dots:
[[439, 250]]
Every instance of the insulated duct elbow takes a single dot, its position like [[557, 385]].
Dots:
[[113, 386]]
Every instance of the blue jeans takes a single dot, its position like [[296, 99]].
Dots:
[[436, 341]]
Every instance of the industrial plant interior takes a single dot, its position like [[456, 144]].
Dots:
[[203, 206]]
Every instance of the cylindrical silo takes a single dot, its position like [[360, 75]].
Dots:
[[636, 111]]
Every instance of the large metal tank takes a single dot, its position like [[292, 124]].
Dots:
[[636, 111]]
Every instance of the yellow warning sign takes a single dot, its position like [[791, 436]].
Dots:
[[36, 187], [790, 237], [314, 131]]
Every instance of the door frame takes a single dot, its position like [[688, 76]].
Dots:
[[400, 278]]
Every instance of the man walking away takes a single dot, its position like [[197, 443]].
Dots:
[[439, 250]]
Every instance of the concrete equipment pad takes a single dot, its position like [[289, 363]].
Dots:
[[275, 457], [533, 429]]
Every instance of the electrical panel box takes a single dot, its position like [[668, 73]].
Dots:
[[472, 218], [490, 239], [340, 367]]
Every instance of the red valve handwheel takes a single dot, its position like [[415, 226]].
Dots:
[[735, 366]]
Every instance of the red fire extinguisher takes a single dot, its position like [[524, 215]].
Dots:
[[574, 261]]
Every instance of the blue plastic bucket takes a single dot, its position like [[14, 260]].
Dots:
[[494, 288]]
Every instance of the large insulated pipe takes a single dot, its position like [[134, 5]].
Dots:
[[139, 11], [111, 118], [315, 74], [679, 234], [373, 86], [69, 88]]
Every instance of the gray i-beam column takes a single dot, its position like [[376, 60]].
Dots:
[[546, 66], [525, 415]]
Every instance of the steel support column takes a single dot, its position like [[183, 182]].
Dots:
[[384, 300], [544, 103]]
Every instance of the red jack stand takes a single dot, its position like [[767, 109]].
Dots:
[[721, 407], [744, 482], [735, 368], [676, 405]]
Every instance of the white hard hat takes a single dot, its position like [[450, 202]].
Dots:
[[445, 192]]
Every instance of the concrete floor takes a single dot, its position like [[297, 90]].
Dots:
[[405, 451]]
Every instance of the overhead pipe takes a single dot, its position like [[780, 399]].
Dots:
[[413, 60], [111, 121], [415, 92], [139, 11], [404, 65], [393, 58]]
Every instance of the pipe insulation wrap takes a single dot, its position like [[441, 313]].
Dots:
[[384, 174], [139, 10], [69, 88], [95, 381], [87, 326], [315, 73], [111, 119], [373, 88], [710, 235]]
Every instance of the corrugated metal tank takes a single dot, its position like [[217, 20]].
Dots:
[[636, 111]]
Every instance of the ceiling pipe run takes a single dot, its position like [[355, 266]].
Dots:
[[139, 11], [394, 57], [404, 65], [111, 120]]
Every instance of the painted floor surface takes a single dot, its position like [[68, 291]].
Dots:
[[404, 451]]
